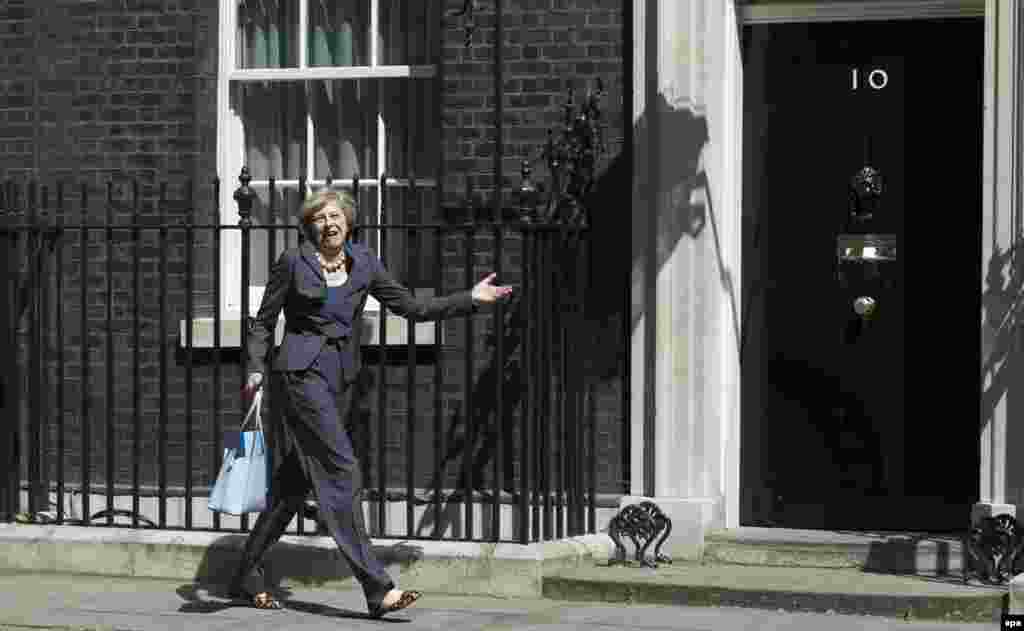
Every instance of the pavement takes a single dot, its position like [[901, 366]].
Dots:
[[61, 576], [93, 603]]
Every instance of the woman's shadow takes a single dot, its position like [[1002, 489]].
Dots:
[[305, 564]]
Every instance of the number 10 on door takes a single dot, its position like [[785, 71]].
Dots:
[[877, 79]]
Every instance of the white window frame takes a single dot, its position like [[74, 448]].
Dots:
[[231, 157]]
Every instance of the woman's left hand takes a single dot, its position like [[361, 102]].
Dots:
[[486, 292]]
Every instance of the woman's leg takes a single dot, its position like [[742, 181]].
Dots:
[[271, 524], [339, 495], [316, 415]]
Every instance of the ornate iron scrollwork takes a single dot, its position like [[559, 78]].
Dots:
[[572, 157], [642, 523], [993, 550]]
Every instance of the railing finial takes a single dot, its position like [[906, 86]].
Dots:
[[245, 196]]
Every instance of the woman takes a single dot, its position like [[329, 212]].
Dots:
[[322, 287]]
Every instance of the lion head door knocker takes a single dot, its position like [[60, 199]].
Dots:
[[866, 189]]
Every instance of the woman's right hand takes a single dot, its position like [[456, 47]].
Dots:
[[255, 379]]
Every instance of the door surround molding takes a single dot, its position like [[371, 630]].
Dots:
[[859, 11]]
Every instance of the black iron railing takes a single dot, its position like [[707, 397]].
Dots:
[[486, 432], [115, 413]]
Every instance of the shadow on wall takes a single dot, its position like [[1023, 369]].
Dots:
[[672, 181], [668, 143], [1002, 366]]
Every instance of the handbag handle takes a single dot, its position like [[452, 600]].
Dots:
[[256, 406]]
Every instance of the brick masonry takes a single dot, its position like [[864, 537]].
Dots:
[[123, 91]]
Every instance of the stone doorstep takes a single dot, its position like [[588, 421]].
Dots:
[[455, 567], [894, 553], [576, 586]]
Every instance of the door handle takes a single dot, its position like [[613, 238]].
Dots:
[[865, 307]]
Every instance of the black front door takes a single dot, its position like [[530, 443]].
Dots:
[[860, 378]]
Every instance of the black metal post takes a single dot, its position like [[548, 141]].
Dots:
[[218, 386], [499, 390], [468, 413], [438, 384], [34, 250], [189, 315], [162, 341], [11, 377], [110, 432], [136, 361], [245, 197], [86, 446], [528, 361], [591, 403], [439, 192], [499, 311], [410, 383], [301, 519], [60, 353], [382, 421], [272, 220], [548, 300]]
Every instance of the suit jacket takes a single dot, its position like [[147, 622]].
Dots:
[[297, 285]]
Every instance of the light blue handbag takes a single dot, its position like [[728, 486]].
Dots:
[[241, 485]]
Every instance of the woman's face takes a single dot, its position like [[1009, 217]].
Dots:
[[329, 228]]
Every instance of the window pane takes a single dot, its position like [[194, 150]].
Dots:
[[274, 120], [409, 110], [280, 209], [408, 31], [344, 119], [267, 35], [366, 214], [338, 32]]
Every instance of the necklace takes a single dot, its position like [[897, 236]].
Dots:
[[333, 266]]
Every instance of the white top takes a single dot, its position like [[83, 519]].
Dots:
[[336, 279]]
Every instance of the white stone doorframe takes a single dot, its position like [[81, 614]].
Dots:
[[1001, 479]]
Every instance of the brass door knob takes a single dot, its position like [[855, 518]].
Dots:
[[865, 306]]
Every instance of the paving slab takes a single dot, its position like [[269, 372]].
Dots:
[[91, 603]]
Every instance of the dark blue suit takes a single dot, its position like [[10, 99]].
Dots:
[[310, 395]]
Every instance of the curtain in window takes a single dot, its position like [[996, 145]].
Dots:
[[267, 33], [273, 113], [274, 116], [343, 113], [337, 35]]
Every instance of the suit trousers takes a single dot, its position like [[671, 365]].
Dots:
[[319, 456]]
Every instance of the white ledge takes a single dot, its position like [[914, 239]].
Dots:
[[230, 331], [333, 72]]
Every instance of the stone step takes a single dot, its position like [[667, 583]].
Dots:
[[895, 553], [840, 591]]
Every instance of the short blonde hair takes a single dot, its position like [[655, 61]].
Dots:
[[315, 202]]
